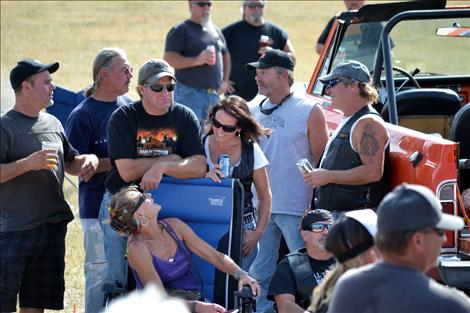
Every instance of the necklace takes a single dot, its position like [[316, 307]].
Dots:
[[271, 110]]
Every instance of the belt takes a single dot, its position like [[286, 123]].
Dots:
[[248, 218]]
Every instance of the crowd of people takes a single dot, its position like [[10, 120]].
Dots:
[[334, 219]]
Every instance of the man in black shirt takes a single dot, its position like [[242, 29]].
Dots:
[[300, 271], [246, 40]]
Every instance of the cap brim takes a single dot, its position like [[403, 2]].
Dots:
[[157, 77], [327, 78], [255, 65], [51, 68], [450, 222]]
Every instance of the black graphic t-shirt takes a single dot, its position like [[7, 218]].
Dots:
[[132, 133]]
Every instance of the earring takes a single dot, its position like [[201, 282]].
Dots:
[[144, 221], [237, 134]]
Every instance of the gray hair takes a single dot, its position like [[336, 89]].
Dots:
[[103, 59], [290, 74]]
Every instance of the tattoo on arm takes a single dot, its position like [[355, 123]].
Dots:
[[369, 145]]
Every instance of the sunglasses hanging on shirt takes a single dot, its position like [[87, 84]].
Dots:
[[271, 110]]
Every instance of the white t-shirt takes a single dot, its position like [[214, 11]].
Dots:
[[260, 159]]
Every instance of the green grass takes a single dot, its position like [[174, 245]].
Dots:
[[73, 32]]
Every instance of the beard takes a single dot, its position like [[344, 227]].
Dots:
[[255, 18], [49, 104]]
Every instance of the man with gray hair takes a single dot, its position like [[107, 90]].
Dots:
[[354, 170], [148, 139], [247, 40], [86, 130], [299, 131], [197, 50], [411, 229]]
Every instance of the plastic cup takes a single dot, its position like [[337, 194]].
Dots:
[[51, 146]]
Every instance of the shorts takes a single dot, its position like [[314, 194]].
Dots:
[[32, 266]]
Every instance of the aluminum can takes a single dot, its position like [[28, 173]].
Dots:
[[304, 166], [224, 162], [212, 49]]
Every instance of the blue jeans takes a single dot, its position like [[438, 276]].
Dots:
[[95, 264], [198, 100], [264, 265], [248, 260], [114, 247]]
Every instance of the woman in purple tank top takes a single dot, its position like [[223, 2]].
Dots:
[[159, 252]]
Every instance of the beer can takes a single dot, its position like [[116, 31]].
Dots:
[[212, 49], [304, 166], [224, 162]]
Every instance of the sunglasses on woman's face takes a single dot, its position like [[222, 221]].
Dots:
[[203, 4], [159, 88], [226, 128]]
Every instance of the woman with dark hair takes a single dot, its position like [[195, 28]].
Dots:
[[351, 240], [232, 131], [159, 252]]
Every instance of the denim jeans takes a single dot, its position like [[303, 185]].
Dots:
[[248, 260], [114, 248], [264, 265], [198, 100], [95, 264]]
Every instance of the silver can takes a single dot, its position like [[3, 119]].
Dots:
[[304, 166], [224, 162]]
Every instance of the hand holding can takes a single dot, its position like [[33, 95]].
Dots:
[[212, 50], [224, 162]]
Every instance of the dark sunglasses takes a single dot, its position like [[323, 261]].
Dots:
[[203, 4], [254, 5], [318, 227], [159, 88], [226, 128], [334, 82]]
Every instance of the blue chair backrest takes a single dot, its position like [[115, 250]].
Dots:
[[64, 102], [214, 212]]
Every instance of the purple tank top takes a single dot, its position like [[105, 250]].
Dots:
[[177, 272]]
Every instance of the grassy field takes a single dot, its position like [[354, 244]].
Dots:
[[73, 32]]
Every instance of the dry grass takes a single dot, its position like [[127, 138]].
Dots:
[[73, 32]]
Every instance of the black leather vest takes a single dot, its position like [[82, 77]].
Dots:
[[244, 172], [299, 262], [341, 156]]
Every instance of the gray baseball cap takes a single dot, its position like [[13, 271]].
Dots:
[[351, 69], [413, 207], [153, 70]]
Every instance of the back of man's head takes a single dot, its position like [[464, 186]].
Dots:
[[406, 210]]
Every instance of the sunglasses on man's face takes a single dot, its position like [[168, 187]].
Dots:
[[254, 5], [159, 88], [226, 128], [203, 4], [318, 227], [334, 82]]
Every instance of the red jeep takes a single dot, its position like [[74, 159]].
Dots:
[[419, 56]]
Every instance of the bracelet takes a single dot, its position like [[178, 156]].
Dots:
[[192, 306], [239, 273]]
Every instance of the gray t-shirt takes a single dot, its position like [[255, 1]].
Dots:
[[36, 197], [383, 287], [189, 39]]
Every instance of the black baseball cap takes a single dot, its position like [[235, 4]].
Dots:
[[28, 67], [412, 207], [273, 57]]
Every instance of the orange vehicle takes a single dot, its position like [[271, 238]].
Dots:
[[419, 56]]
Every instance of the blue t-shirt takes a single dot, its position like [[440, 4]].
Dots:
[[86, 130]]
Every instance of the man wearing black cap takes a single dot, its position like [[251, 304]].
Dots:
[[34, 153], [300, 271], [353, 171], [299, 132], [410, 233], [147, 140]]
